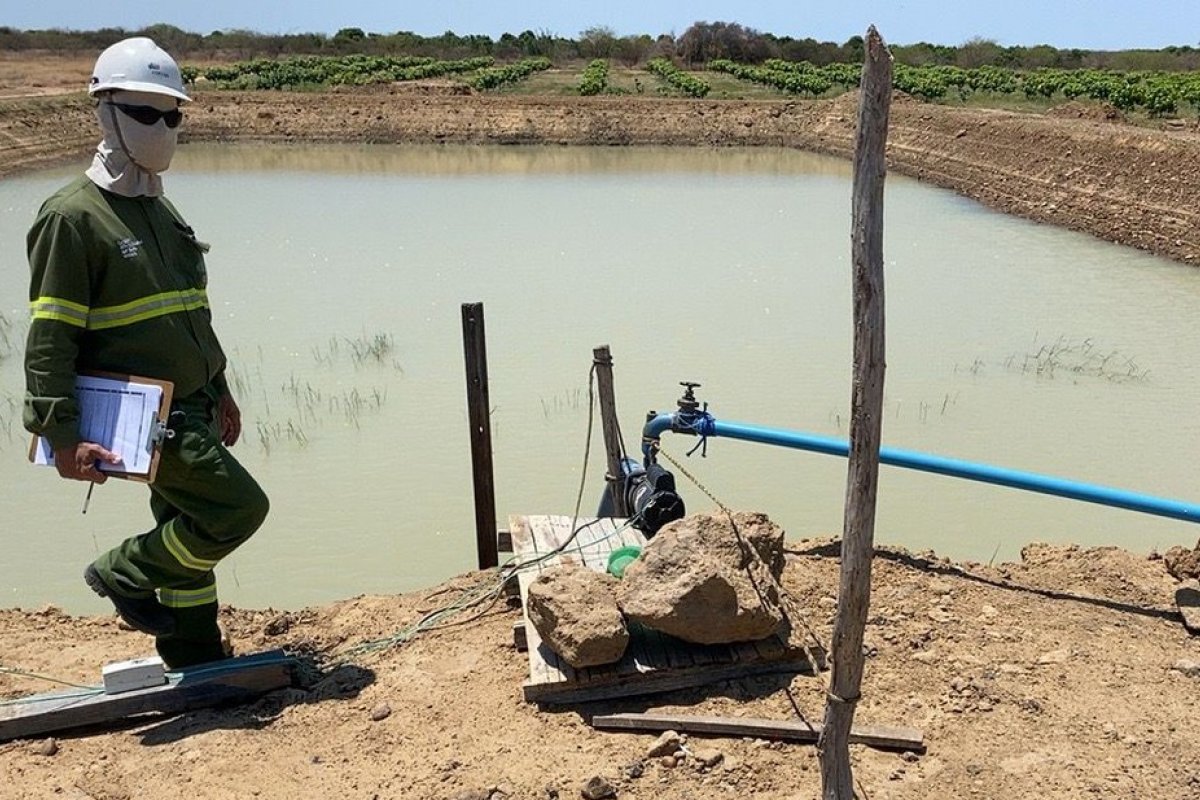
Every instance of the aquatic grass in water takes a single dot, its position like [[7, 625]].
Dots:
[[309, 406], [568, 401], [1078, 358], [1063, 355], [363, 350]]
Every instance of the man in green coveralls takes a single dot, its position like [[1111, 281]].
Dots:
[[118, 284]]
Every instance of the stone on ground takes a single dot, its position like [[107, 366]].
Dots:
[[706, 580], [574, 610]]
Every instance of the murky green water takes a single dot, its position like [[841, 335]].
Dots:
[[727, 267]]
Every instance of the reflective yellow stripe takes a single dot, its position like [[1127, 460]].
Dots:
[[144, 308], [180, 552], [56, 308], [188, 598]]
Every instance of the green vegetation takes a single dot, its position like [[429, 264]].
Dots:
[[685, 82], [500, 76], [353, 70], [1154, 82], [1158, 93], [700, 43], [595, 77]]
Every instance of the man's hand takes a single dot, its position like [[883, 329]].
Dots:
[[79, 462], [229, 420]]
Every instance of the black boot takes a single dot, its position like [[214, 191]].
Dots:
[[196, 640], [144, 614]]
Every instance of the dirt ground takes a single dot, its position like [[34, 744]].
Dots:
[[1066, 675]]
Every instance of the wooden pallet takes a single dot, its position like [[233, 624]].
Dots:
[[653, 662]]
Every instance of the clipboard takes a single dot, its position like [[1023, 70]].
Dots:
[[126, 414]]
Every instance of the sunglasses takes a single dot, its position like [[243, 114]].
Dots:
[[148, 115]]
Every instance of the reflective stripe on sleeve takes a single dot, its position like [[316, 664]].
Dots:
[[180, 553], [144, 308], [188, 598], [61, 310]]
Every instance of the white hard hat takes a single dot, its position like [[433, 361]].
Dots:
[[137, 65]]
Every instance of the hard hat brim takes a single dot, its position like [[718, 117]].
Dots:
[[138, 86]]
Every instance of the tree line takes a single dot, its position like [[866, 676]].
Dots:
[[700, 43]]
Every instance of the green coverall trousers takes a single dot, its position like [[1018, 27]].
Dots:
[[205, 504]]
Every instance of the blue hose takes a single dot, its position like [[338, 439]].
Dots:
[[703, 424]]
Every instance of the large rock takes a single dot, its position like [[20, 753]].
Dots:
[[705, 580], [1183, 563], [575, 611]]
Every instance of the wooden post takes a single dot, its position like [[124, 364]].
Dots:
[[866, 412], [602, 361], [479, 416]]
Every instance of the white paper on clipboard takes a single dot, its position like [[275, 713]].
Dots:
[[121, 416]]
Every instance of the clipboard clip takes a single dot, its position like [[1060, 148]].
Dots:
[[161, 432]]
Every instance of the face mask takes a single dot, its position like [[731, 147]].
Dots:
[[149, 146]]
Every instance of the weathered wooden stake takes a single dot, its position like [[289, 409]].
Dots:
[[478, 414], [602, 360], [866, 408]]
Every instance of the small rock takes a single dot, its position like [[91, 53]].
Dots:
[[470, 794], [709, 756], [278, 626], [1054, 657], [669, 762], [46, 747], [598, 788], [1189, 668], [909, 757], [381, 712], [665, 745], [633, 770], [827, 602], [988, 611]]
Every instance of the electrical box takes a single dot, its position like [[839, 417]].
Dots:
[[140, 673]]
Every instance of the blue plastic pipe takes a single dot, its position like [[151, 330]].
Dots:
[[703, 424]]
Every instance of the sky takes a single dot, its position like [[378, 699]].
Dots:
[[1089, 24]]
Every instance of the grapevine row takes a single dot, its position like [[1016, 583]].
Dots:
[[683, 81], [595, 77], [499, 76], [1159, 93], [355, 70]]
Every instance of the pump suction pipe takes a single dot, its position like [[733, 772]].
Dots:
[[693, 420]]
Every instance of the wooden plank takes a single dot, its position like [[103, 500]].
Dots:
[[883, 738], [235, 680], [656, 681], [1187, 600]]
